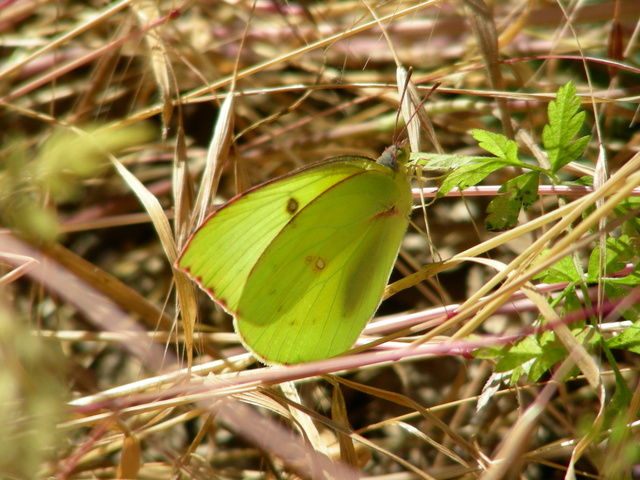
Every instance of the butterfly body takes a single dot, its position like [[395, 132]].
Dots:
[[301, 262]]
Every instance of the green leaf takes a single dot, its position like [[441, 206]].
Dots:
[[502, 214], [553, 353], [469, 175], [618, 251], [553, 350], [535, 355], [499, 145], [532, 356], [570, 301], [565, 121], [629, 339], [586, 181], [519, 353], [489, 353], [519, 192], [564, 270], [615, 292], [518, 372], [631, 280], [632, 225], [573, 151], [436, 161]]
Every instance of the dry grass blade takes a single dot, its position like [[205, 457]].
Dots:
[[127, 298], [21, 264], [186, 294], [485, 30], [216, 156], [515, 442], [339, 414], [148, 13], [95, 306]]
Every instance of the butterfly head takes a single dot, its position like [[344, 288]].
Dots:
[[393, 156]]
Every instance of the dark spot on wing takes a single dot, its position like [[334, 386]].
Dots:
[[316, 263], [320, 264], [292, 206]]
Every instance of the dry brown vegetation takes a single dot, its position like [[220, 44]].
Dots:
[[114, 116]]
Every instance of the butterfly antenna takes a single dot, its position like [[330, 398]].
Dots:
[[396, 58], [411, 111], [403, 94]]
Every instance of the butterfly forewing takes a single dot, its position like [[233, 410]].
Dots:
[[224, 249]]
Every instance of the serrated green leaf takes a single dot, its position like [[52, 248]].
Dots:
[[629, 339], [632, 225], [489, 353], [615, 292], [469, 175], [570, 301], [519, 192], [565, 121], [497, 144], [574, 150], [526, 188], [618, 251], [517, 373], [502, 214], [553, 350], [573, 125], [553, 353], [564, 270], [436, 161], [546, 338], [521, 352]]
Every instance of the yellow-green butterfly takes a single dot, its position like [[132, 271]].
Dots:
[[301, 262]]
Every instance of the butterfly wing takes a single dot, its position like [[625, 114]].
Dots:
[[222, 252], [321, 278]]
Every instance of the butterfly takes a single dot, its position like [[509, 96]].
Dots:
[[302, 261]]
